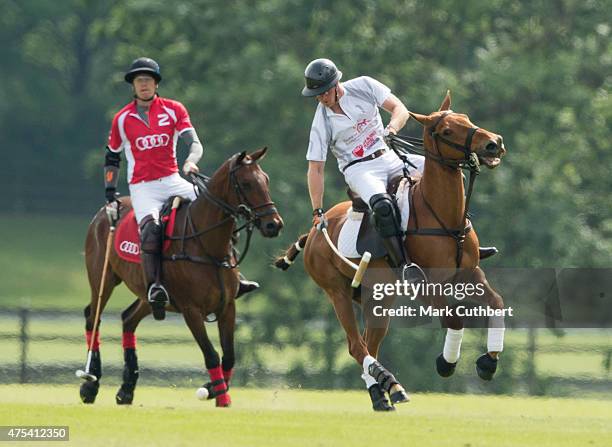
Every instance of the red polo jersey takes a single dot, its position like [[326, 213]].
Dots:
[[150, 149]]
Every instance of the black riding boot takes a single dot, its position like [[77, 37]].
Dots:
[[246, 286], [151, 245], [387, 222]]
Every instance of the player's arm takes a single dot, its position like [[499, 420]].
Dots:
[[111, 174], [398, 111], [191, 140], [316, 184]]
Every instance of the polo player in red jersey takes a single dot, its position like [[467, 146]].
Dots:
[[147, 130]]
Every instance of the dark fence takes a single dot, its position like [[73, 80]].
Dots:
[[254, 371]]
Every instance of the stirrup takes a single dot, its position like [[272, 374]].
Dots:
[[413, 273], [158, 294]]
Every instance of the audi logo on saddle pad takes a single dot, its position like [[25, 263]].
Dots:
[[152, 141], [129, 247]]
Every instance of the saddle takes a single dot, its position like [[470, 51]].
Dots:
[[367, 236], [127, 238]]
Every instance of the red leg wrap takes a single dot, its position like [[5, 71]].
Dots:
[[216, 375], [227, 375], [129, 340], [96, 342]]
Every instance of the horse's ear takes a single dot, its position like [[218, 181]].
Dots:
[[259, 153], [446, 103], [420, 118], [241, 157]]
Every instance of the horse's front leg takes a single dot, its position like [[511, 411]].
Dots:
[[486, 365], [195, 322], [227, 326]]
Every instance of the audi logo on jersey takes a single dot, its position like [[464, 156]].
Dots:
[[129, 247], [152, 141]]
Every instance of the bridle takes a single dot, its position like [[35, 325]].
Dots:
[[469, 160]]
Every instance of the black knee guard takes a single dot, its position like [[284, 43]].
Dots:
[[386, 215], [150, 236]]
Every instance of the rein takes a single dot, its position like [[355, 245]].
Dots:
[[469, 162]]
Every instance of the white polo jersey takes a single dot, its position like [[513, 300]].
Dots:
[[356, 134]]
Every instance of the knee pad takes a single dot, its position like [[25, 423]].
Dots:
[[386, 215], [150, 236]]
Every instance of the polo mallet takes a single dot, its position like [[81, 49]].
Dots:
[[87, 375], [363, 264]]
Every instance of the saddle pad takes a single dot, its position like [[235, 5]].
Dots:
[[347, 240], [127, 239]]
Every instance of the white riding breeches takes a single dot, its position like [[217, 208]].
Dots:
[[372, 177], [149, 197]]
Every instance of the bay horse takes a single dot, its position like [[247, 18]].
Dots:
[[199, 270], [439, 236]]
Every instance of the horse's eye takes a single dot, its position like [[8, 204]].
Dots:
[[246, 186], [446, 132]]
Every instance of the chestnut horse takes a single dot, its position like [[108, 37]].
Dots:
[[444, 240], [199, 270]]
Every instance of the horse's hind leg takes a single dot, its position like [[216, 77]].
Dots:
[[89, 390], [130, 318], [195, 322], [486, 364], [378, 379]]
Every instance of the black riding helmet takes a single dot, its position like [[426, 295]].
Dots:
[[321, 75], [143, 65]]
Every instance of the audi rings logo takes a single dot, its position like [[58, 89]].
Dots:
[[129, 247], [152, 141]]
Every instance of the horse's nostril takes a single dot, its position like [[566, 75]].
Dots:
[[491, 147], [271, 226]]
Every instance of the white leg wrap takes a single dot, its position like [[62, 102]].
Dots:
[[297, 246], [287, 260], [367, 361], [495, 339], [452, 345], [369, 380]]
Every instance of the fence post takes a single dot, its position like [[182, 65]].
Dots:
[[532, 384], [23, 337]]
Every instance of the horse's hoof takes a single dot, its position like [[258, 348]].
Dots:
[[89, 391], [444, 368], [399, 397], [124, 396], [486, 366], [223, 401], [379, 400]]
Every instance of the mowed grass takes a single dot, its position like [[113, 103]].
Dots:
[[283, 417]]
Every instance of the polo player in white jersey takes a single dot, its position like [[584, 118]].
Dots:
[[147, 130], [348, 122]]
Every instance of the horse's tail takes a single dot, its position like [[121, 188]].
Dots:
[[284, 261]]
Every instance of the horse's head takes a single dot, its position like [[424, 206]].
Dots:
[[250, 194], [452, 137]]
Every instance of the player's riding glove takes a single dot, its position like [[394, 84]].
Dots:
[[190, 168], [319, 221], [112, 206]]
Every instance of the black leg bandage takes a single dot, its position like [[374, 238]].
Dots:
[[384, 378]]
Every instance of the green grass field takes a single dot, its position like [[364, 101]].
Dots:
[[173, 416]]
